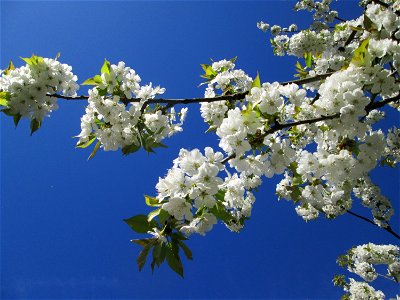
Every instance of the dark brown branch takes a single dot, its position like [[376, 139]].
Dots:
[[82, 97], [172, 102], [388, 228], [308, 80], [379, 104], [350, 38], [340, 19]]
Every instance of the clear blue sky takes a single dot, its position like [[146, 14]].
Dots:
[[62, 234]]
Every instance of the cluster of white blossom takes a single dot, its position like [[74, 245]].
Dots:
[[385, 19], [30, 87], [118, 124], [361, 290], [361, 260], [371, 197], [392, 151], [309, 41], [193, 184], [365, 256], [228, 81], [322, 10], [319, 132]]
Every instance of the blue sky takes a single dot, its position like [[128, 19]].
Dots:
[[62, 234]]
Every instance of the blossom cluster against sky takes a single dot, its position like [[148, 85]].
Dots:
[[62, 234]]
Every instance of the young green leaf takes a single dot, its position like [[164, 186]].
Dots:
[[151, 201], [309, 59], [9, 68], [96, 80], [106, 68], [153, 214], [33, 60], [4, 98], [96, 148], [205, 67], [92, 138], [256, 82], [361, 56]]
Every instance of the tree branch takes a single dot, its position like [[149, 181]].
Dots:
[[388, 228], [173, 102], [379, 104]]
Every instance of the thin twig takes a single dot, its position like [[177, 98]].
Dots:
[[388, 228]]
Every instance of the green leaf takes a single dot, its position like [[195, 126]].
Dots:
[[156, 253], [211, 129], [209, 72], [163, 254], [151, 201], [256, 82], [297, 180], [174, 261], [220, 212], [148, 143], [96, 148], [296, 194], [153, 214], [361, 57], [205, 67], [368, 24], [102, 92], [33, 60], [92, 138], [309, 59], [96, 80], [220, 196], [178, 236], [185, 249], [35, 125], [9, 68], [232, 60], [17, 118], [130, 149], [339, 280], [4, 98], [159, 145], [141, 259], [159, 254], [140, 224], [7, 112], [143, 242], [106, 68], [163, 216]]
